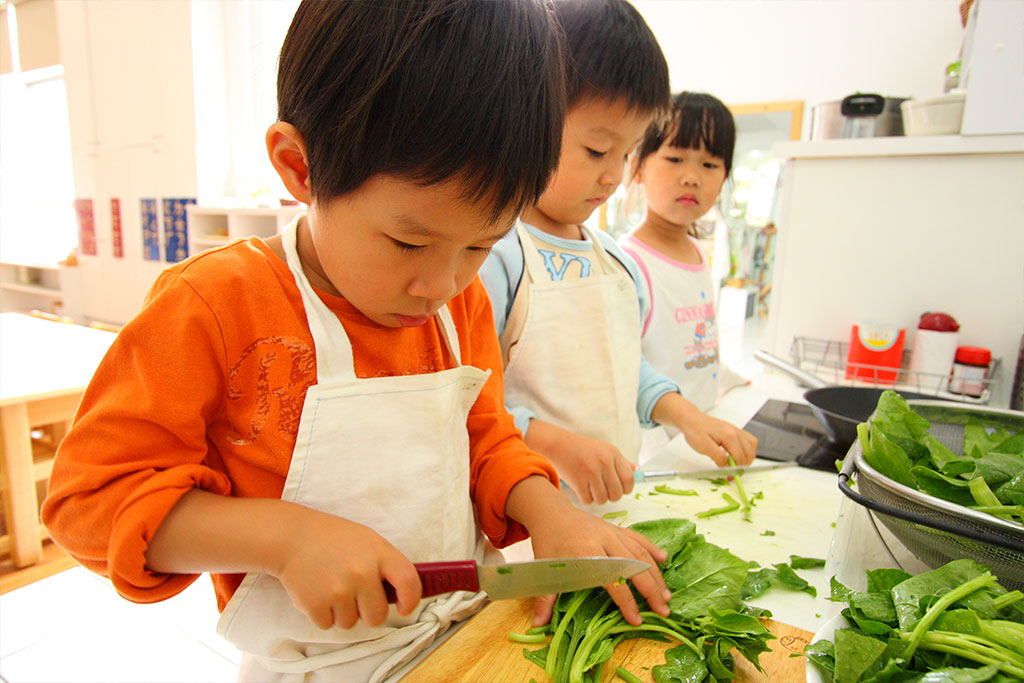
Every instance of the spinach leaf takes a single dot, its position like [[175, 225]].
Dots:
[[1012, 492], [682, 665], [882, 580], [998, 468], [704, 577], [856, 654], [822, 653], [889, 459], [913, 597], [797, 562], [668, 534], [953, 489]]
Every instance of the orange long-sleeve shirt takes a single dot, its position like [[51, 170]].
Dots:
[[205, 387]]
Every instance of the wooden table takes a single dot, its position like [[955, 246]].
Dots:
[[44, 369]]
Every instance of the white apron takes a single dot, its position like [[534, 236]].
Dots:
[[391, 453], [576, 362], [681, 337]]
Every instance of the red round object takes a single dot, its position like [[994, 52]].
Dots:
[[940, 322], [973, 355]]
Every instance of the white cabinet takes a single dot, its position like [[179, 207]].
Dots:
[[885, 229], [210, 226], [49, 288]]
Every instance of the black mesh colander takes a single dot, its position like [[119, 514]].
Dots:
[[934, 530]]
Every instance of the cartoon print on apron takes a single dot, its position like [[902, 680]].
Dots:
[[391, 453], [576, 362]]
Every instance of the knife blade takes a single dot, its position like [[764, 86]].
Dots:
[[522, 579], [641, 476]]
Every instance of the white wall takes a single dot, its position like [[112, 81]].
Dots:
[[811, 50], [890, 234]]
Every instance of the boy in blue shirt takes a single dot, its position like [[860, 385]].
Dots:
[[567, 302]]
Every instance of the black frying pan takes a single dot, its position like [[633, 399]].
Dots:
[[839, 409]]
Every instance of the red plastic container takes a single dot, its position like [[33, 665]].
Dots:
[[873, 349], [970, 370]]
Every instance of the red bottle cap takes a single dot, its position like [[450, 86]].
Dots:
[[973, 355], [940, 322]]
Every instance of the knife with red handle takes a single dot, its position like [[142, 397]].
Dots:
[[522, 579]]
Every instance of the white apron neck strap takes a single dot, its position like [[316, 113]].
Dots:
[[531, 256], [332, 346], [448, 333], [599, 251]]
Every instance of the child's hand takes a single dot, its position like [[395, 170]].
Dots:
[[559, 529], [708, 435], [334, 569], [719, 439], [594, 469]]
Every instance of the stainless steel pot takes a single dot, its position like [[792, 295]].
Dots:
[[863, 115]]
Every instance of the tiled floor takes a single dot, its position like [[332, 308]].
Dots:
[[73, 628]]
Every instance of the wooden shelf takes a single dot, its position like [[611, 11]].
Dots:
[[36, 290], [211, 226]]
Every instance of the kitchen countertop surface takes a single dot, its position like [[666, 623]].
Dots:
[[799, 505]]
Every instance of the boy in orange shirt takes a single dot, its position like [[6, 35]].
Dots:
[[306, 416]]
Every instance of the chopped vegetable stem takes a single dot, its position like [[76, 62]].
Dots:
[[936, 610], [746, 504], [527, 637], [974, 656], [733, 504], [665, 488], [626, 675], [982, 493]]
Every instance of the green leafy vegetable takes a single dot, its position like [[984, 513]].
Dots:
[[707, 616], [781, 575], [797, 562], [988, 477], [954, 623]]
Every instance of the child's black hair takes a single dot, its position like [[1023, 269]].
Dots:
[[613, 55], [697, 120], [426, 91]]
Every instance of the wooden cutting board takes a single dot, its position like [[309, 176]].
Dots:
[[480, 652]]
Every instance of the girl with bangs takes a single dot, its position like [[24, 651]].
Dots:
[[682, 166]]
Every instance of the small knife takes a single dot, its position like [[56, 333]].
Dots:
[[640, 476], [522, 579]]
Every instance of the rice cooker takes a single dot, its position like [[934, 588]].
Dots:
[[862, 115]]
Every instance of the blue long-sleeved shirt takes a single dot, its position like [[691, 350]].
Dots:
[[501, 274]]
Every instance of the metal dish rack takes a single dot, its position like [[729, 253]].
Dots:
[[827, 359]]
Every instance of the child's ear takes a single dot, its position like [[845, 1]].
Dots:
[[287, 150]]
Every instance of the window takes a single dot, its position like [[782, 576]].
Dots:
[[235, 47]]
